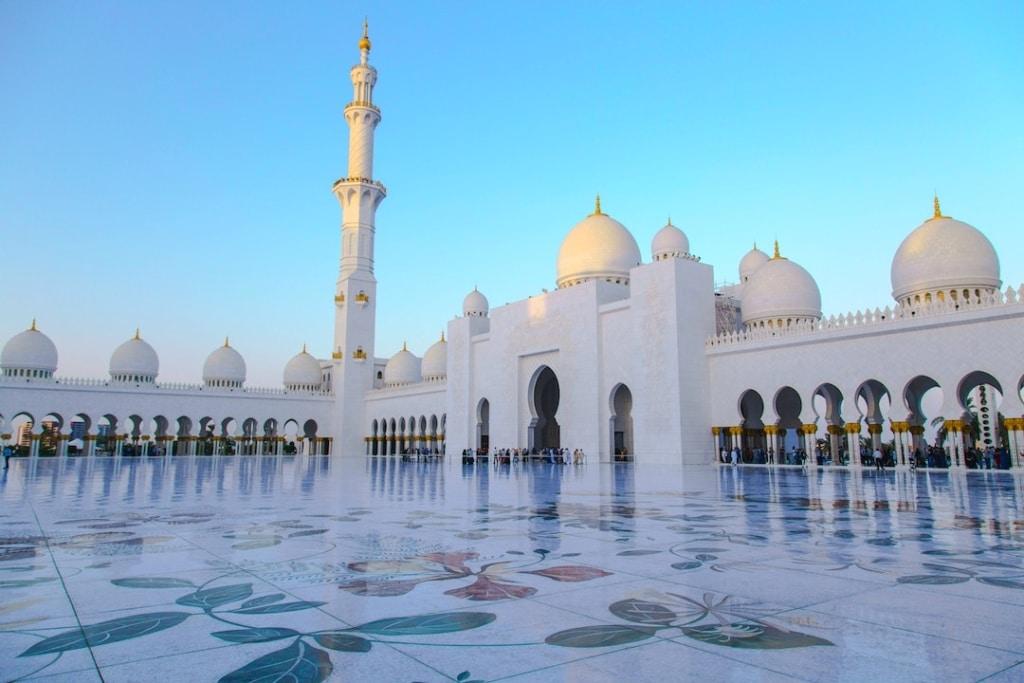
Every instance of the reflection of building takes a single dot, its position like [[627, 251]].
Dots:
[[624, 355]]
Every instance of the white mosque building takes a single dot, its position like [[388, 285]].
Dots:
[[632, 355]]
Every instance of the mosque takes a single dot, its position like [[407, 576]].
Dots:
[[644, 358]]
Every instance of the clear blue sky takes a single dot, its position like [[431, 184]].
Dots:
[[169, 164]]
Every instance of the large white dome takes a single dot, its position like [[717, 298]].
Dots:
[[29, 353], [402, 368], [435, 360], [302, 372], [751, 261], [598, 247], [134, 361], [943, 255], [224, 367], [780, 292], [475, 304], [669, 242]]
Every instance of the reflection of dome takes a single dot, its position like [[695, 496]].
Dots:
[[780, 293], [29, 354], [302, 373], [598, 247], [402, 368], [435, 360], [475, 304], [944, 257], [751, 261], [225, 367], [669, 242], [134, 361]]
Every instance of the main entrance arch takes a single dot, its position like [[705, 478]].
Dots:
[[622, 421], [544, 396]]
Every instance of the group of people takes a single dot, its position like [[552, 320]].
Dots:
[[932, 457], [504, 456]]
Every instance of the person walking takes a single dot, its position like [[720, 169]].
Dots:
[[879, 464]]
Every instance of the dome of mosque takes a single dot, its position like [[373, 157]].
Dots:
[[302, 372], [475, 304], [435, 360], [751, 261], [30, 351], [943, 254], [780, 292], [598, 247], [224, 367], [134, 361], [669, 242], [402, 368]]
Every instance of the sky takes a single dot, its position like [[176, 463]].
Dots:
[[168, 165]]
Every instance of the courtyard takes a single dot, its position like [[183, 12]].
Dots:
[[310, 568]]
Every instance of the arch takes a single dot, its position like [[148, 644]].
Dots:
[[621, 422], [483, 425], [309, 428], [21, 426], [979, 395], [972, 381], [49, 431], [544, 396], [923, 398], [827, 403], [751, 409], [392, 437]]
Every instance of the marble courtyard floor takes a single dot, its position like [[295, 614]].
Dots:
[[368, 569]]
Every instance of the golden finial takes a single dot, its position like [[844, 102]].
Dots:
[[670, 220], [33, 325], [226, 344], [597, 206], [442, 335], [776, 255], [404, 347], [364, 42], [938, 209], [304, 348], [137, 335], [755, 245]]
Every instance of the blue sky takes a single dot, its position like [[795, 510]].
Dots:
[[169, 164]]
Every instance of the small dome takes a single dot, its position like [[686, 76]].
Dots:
[[669, 242], [402, 368], [224, 367], [435, 360], [598, 247], [134, 361], [943, 254], [302, 373], [751, 261], [475, 305], [780, 292], [29, 354]]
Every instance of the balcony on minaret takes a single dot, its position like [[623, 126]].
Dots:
[[339, 299], [362, 299]]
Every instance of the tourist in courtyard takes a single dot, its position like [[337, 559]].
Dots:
[[879, 463]]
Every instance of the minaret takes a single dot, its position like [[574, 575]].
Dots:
[[355, 296]]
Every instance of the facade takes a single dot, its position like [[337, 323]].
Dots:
[[626, 356]]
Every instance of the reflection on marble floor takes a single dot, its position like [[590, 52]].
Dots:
[[316, 568]]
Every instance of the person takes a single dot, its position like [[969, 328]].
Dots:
[[989, 456], [879, 465], [735, 456], [7, 457]]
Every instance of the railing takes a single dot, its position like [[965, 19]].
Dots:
[[369, 181], [364, 105], [861, 319], [161, 386]]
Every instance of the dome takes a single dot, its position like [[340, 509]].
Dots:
[[134, 361], [669, 242], [29, 354], [598, 247], [402, 368], [780, 292], [944, 255], [751, 261], [435, 360], [225, 367], [475, 305], [302, 373]]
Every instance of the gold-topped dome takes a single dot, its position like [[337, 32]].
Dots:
[[364, 42]]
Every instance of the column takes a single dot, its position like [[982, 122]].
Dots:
[[716, 448], [834, 442], [852, 430], [89, 444], [810, 432], [62, 445], [118, 444], [875, 432], [1014, 429], [900, 455]]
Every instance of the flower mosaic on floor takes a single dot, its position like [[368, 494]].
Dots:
[[300, 569]]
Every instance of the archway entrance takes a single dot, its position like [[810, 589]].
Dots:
[[483, 426], [544, 394], [622, 422]]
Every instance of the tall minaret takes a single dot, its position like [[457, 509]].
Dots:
[[355, 296]]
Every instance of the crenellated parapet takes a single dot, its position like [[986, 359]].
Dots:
[[869, 318]]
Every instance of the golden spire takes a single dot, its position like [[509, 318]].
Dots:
[[670, 220], [597, 206], [404, 347], [33, 325], [938, 209], [755, 245], [226, 341], [137, 335], [304, 347], [442, 335], [776, 255], [364, 42]]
